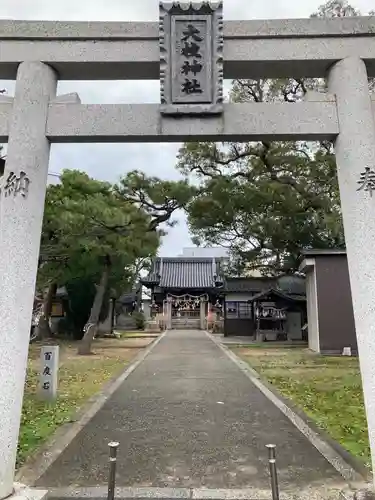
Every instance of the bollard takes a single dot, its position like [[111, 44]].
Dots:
[[113, 446], [273, 471]]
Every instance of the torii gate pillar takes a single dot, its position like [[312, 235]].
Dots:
[[355, 152], [21, 216]]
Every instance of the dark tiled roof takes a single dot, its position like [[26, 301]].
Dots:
[[131, 295], [128, 298], [324, 252], [277, 293], [182, 272], [291, 285]]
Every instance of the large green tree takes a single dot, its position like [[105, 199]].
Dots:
[[159, 198], [267, 201], [91, 232], [104, 234]]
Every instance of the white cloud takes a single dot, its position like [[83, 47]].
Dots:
[[106, 161]]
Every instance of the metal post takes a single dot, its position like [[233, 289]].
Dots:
[[273, 471], [113, 446]]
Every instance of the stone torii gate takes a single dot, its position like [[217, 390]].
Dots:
[[38, 54]]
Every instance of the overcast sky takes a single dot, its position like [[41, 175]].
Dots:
[[110, 161]]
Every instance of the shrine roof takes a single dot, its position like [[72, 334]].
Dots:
[[183, 272], [128, 298], [245, 284], [276, 293], [292, 285], [324, 252]]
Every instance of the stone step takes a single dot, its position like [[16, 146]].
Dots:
[[186, 324], [129, 493]]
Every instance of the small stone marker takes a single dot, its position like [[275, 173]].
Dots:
[[347, 351], [49, 358]]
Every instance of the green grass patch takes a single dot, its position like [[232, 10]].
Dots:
[[328, 389], [134, 335], [129, 335], [79, 379], [254, 345]]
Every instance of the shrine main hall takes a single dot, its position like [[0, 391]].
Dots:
[[185, 289]]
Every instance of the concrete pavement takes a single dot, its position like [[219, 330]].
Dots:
[[188, 417]]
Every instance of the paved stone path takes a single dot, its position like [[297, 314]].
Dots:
[[188, 417]]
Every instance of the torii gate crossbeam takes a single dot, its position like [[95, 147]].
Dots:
[[130, 51]]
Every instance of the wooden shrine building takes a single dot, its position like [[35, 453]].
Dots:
[[192, 293], [185, 290], [265, 308]]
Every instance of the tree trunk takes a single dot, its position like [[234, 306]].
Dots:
[[43, 330], [92, 324]]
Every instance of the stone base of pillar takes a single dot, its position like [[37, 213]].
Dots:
[[22, 492], [259, 337], [152, 326]]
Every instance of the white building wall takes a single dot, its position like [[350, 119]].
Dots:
[[312, 311]]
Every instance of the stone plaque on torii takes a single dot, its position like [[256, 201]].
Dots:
[[191, 58]]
